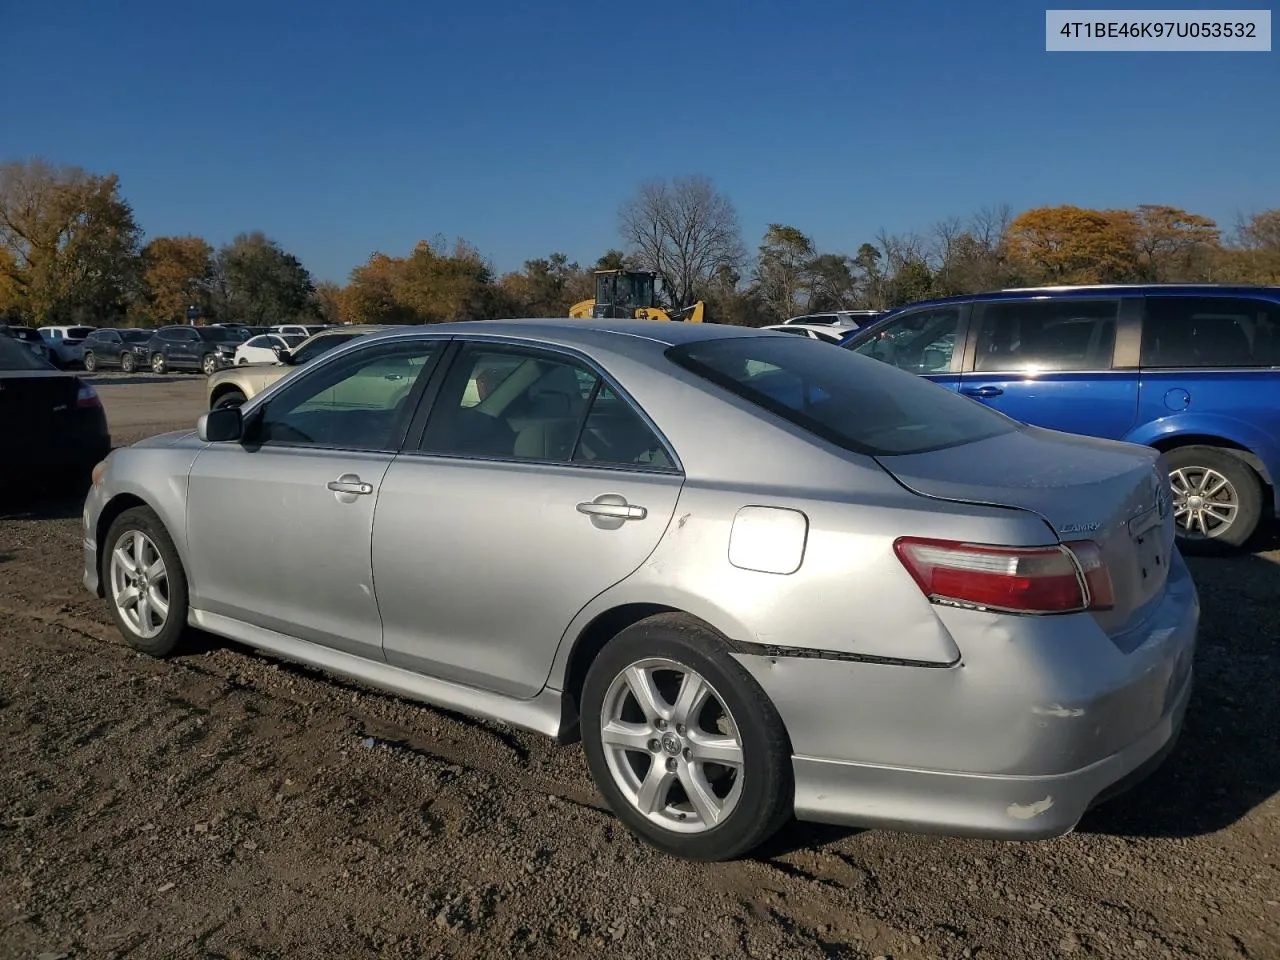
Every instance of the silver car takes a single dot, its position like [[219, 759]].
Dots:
[[759, 577]]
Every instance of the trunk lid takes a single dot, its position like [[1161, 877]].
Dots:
[[34, 403], [1114, 494]]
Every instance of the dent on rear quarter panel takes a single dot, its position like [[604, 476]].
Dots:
[[851, 594]]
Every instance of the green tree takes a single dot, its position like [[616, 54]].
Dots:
[[70, 242], [782, 270], [260, 284]]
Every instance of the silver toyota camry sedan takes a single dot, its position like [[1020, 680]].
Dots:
[[756, 576]]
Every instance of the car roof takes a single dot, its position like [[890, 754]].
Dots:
[[623, 336], [1094, 289]]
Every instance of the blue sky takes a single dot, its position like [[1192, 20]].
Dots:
[[340, 129]]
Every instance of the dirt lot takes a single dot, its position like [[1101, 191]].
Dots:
[[224, 804]]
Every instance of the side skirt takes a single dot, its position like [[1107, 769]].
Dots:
[[540, 714]]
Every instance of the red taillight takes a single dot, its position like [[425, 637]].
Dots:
[[86, 397], [1059, 579]]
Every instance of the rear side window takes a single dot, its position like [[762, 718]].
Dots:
[[1182, 332], [1033, 335], [852, 401]]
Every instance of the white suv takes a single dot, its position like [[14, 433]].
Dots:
[[66, 344], [844, 319]]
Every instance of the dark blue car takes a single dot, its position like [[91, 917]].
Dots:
[[1193, 371]]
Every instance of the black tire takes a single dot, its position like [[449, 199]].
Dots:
[[766, 799], [159, 365], [1244, 485], [90, 361], [232, 398], [209, 364], [168, 639], [128, 363]]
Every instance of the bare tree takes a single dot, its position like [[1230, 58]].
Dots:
[[685, 231]]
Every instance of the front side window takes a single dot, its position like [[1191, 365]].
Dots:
[[837, 395], [1182, 332], [321, 345], [360, 402], [1035, 335], [922, 341], [518, 404]]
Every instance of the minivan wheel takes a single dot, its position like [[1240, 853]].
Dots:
[[145, 583], [158, 363], [686, 748], [1217, 498], [127, 362]]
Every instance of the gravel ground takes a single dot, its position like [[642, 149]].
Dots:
[[226, 804]]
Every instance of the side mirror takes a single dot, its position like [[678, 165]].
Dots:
[[220, 426], [284, 355]]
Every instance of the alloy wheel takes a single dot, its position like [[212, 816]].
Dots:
[[671, 745], [139, 584], [1205, 503]]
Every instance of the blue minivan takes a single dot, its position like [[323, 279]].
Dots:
[[1193, 371]]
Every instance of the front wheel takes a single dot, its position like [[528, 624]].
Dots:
[[159, 364], [1217, 498], [684, 745], [146, 584], [127, 363], [232, 398], [90, 362], [209, 365]]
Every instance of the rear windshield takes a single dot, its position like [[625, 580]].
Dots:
[[78, 333], [14, 356], [223, 334], [856, 403]]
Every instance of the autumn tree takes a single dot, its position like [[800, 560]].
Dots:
[[177, 272], [1068, 245], [70, 243], [260, 284], [1253, 256], [328, 303], [371, 295], [1173, 244], [684, 230], [546, 287]]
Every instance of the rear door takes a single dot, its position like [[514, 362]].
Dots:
[[536, 485], [926, 341], [1051, 363]]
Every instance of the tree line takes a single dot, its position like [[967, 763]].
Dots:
[[71, 251]]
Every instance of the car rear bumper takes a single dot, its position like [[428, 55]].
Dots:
[[976, 805], [1039, 719]]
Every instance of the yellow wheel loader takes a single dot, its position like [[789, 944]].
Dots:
[[623, 294]]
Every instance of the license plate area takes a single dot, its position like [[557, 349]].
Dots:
[[1147, 531]]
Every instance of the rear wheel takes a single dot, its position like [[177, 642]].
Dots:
[[682, 742], [127, 363], [232, 398], [1217, 498], [90, 361], [159, 364]]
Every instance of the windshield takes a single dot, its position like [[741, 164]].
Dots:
[[14, 356], [135, 336], [856, 403]]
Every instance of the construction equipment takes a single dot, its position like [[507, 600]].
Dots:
[[622, 294]]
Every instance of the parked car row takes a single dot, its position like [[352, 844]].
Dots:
[[759, 577]]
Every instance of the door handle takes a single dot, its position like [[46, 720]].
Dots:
[[612, 506], [987, 391], [350, 483]]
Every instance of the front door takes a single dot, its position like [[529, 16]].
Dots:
[[1049, 363], [926, 342], [280, 524], [536, 486]]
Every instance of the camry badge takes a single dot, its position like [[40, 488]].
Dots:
[[1089, 527]]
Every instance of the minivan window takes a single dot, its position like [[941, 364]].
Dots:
[[918, 341], [851, 401], [1181, 332], [1032, 335]]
